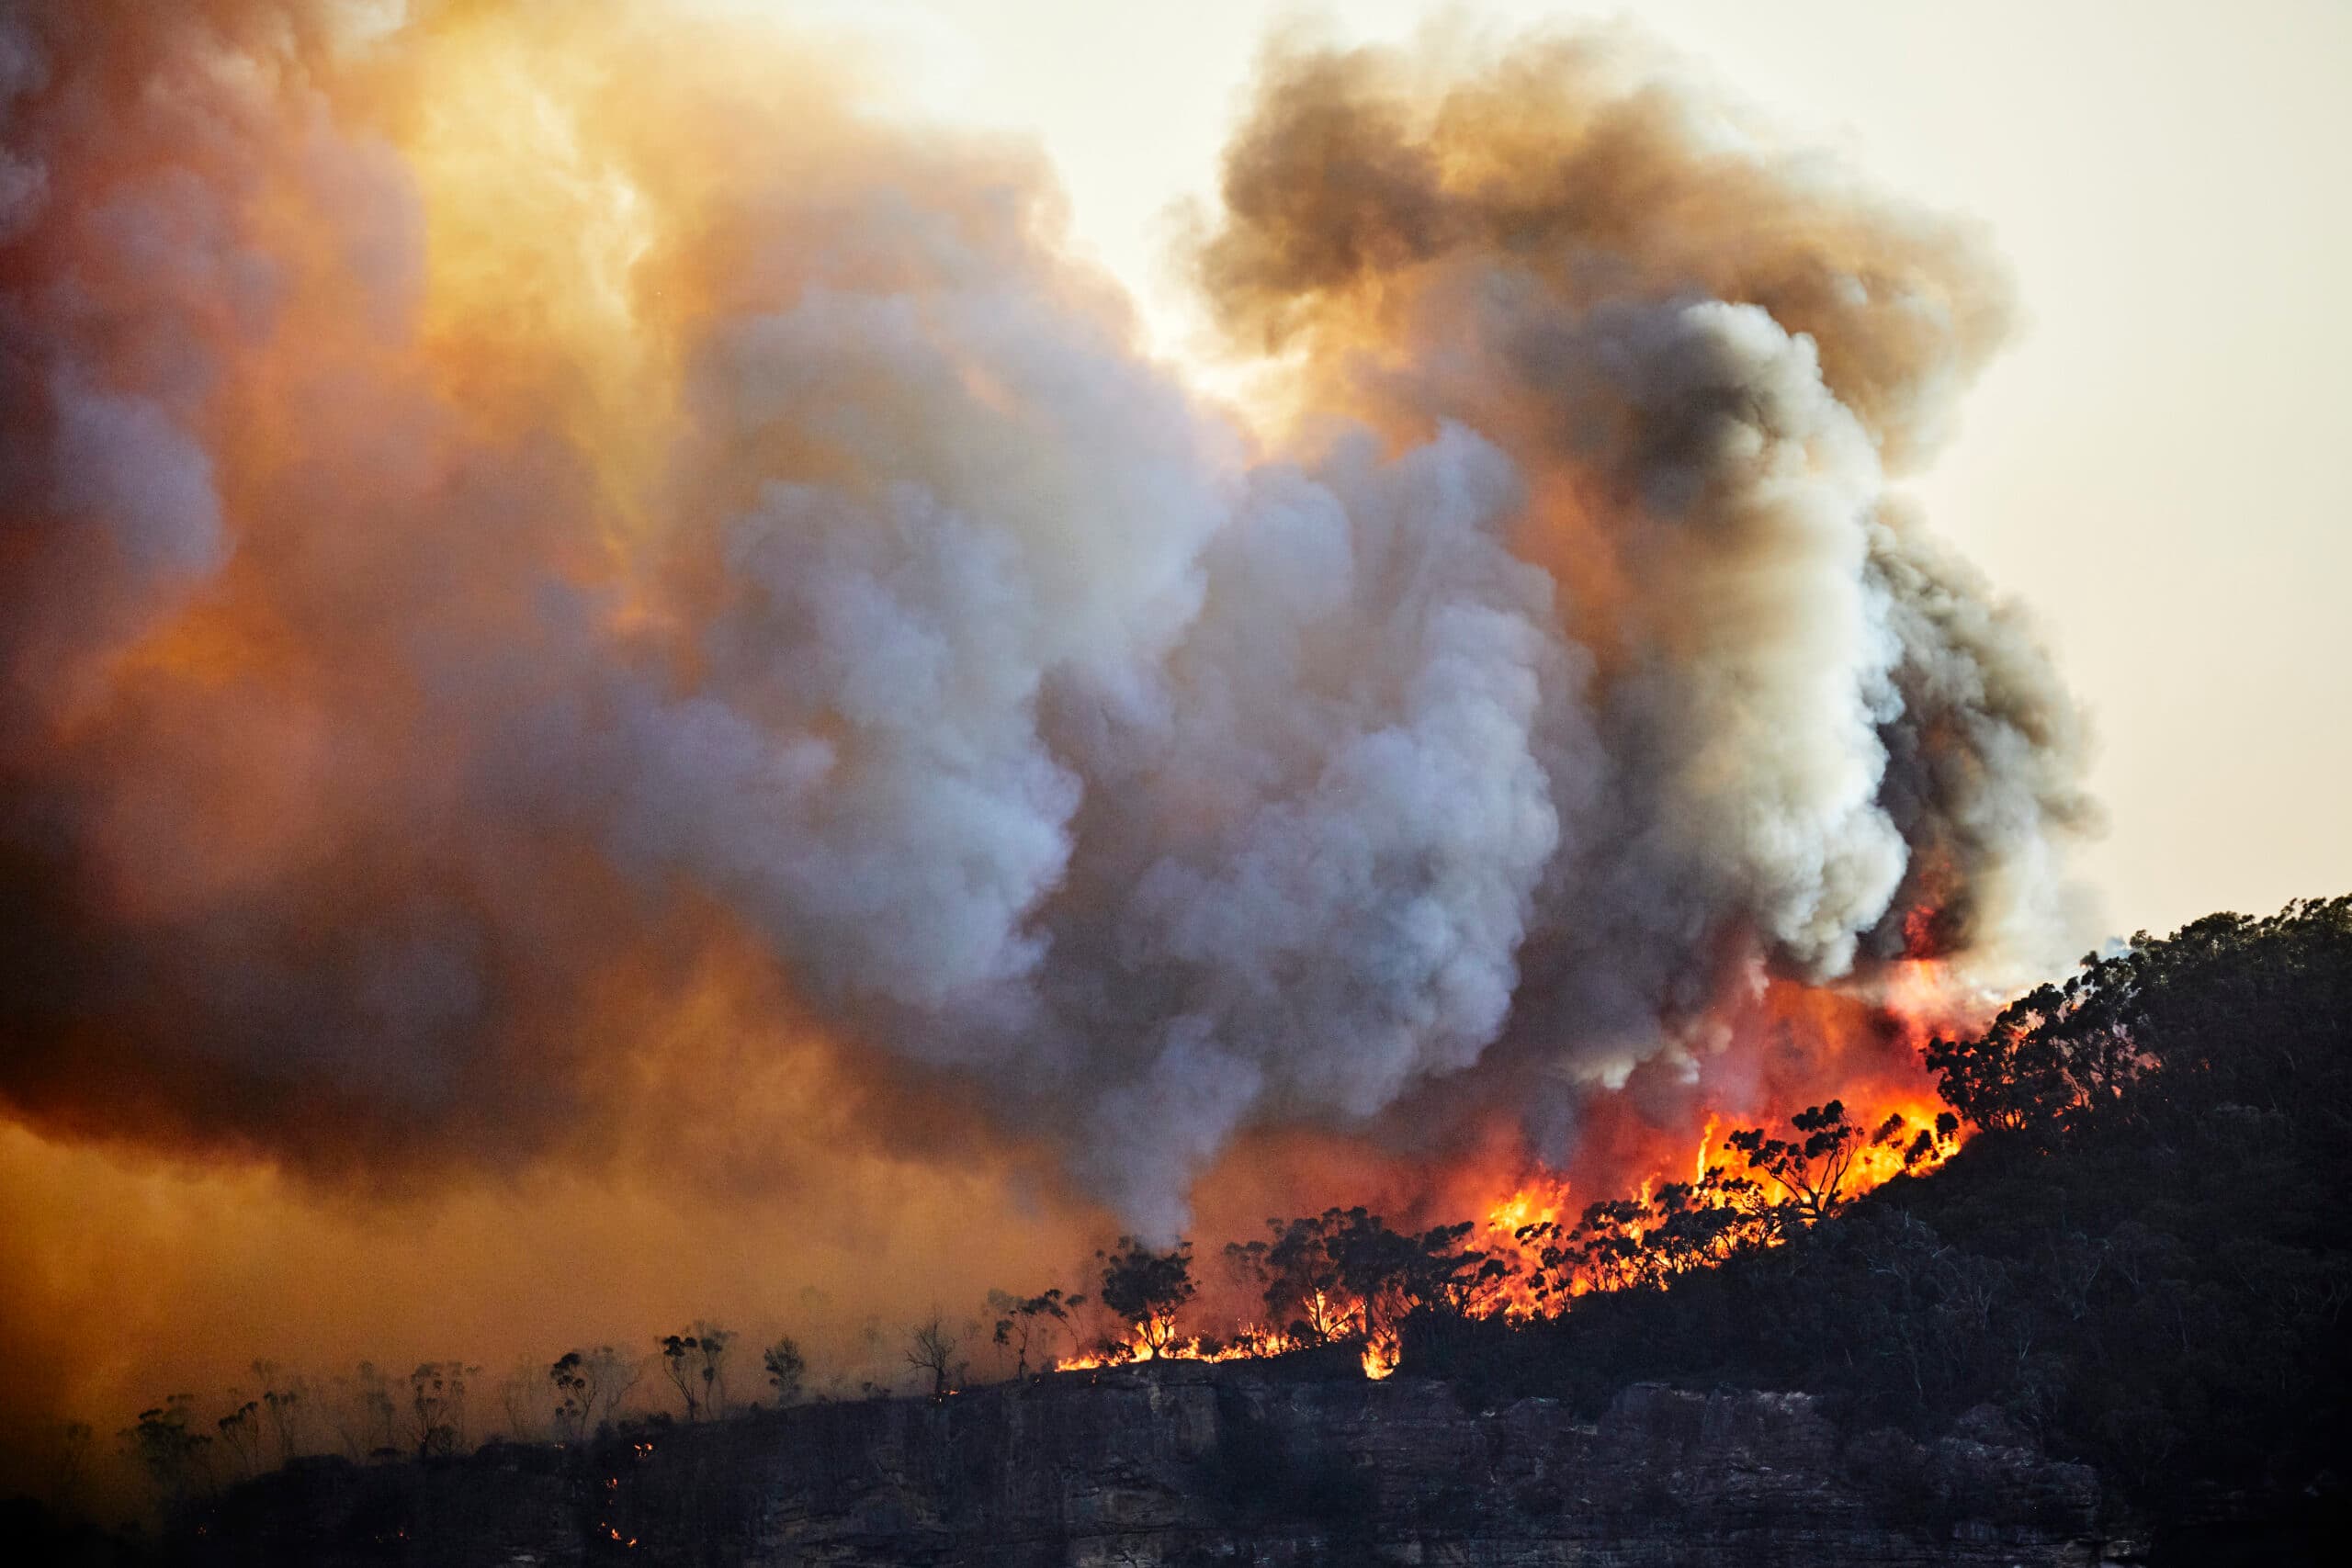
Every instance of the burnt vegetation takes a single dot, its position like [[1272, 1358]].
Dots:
[[2138, 1260]]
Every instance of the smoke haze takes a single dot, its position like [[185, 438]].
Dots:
[[586, 617]]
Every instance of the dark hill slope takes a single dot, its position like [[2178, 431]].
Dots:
[[2141, 1258], [1184, 1463]]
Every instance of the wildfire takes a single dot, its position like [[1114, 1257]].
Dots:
[[1381, 1351], [1515, 1226], [578, 535], [1550, 1253], [1530, 1205], [1248, 1343]]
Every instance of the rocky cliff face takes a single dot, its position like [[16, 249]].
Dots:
[[1188, 1464]]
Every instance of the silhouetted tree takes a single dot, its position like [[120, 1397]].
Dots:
[[1932, 1142], [677, 1352], [168, 1450], [437, 1408], [715, 1342], [2229, 1010], [1148, 1289], [1393, 1274], [785, 1367], [1810, 1171], [1345, 1273], [932, 1347], [241, 1435], [2015, 1078], [285, 1399], [1026, 1325], [1297, 1276], [695, 1364], [575, 1391], [589, 1386]]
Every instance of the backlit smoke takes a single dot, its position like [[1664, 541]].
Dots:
[[505, 503]]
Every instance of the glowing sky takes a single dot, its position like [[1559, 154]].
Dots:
[[2155, 466]]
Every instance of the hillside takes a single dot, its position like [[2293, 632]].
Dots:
[[2108, 1326], [2142, 1258], [1187, 1463]]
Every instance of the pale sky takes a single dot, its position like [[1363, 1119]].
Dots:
[[2159, 465]]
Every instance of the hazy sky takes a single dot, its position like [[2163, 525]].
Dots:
[[2158, 466]]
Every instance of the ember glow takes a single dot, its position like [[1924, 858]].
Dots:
[[581, 607]]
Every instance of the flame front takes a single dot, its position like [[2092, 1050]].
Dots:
[[1557, 1234]]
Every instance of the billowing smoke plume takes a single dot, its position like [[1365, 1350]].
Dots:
[[501, 505]]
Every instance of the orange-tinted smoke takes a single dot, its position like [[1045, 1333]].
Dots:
[[605, 653]]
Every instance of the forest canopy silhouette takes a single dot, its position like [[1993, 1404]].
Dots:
[[2139, 1258]]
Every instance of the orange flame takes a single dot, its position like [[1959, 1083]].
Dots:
[[1790, 1046]]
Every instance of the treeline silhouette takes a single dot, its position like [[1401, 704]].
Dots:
[[436, 1412], [1343, 1277], [2138, 1260]]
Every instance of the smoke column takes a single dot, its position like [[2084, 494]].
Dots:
[[520, 521]]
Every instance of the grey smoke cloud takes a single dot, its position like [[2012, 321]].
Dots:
[[1143, 778]]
